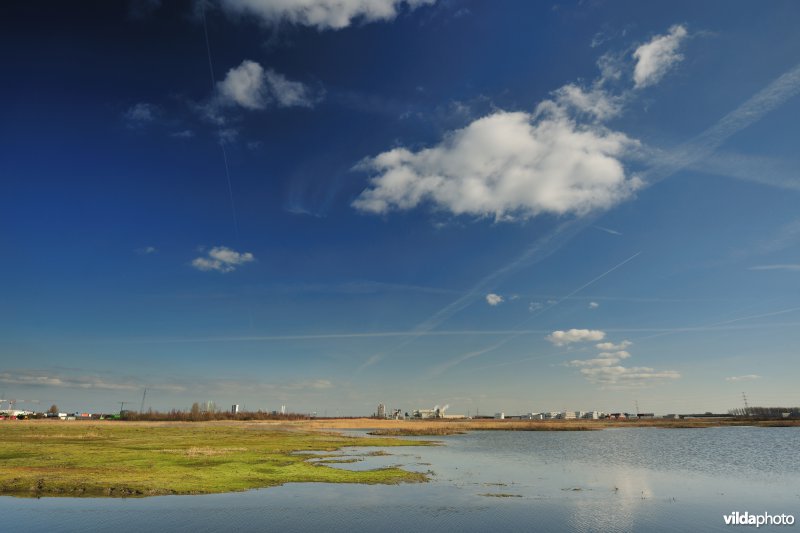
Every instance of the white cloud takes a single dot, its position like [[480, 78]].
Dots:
[[244, 86], [748, 377], [252, 87], [610, 346], [534, 306], [626, 376], [593, 305], [561, 338], [605, 369], [288, 93], [321, 14], [506, 164], [656, 57], [791, 267], [222, 259], [597, 361], [621, 354], [494, 299], [595, 102], [146, 250], [140, 114]]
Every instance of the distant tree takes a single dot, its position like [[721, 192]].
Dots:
[[195, 410], [53, 409]]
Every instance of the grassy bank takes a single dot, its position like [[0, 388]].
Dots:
[[56, 458]]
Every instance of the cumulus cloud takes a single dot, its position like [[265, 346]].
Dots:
[[244, 85], [558, 159], [748, 377], [655, 58], [626, 376], [321, 14], [146, 250], [562, 338], [593, 305], [506, 164], [605, 369], [621, 354], [594, 102], [139, 115], [222, 259], [253, 87], [610, 346], [494, 299], [597, 361], [288, 93]]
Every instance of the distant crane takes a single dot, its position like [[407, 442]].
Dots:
[[121, 407], [13, 401], [746, 407], [144, 395]]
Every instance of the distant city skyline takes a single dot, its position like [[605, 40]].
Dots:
[[518, 207]]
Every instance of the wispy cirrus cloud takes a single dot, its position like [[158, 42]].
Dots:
[[748, 377], [785, 266], [140, 115], [222, 259], [623, 377], [50, 379]]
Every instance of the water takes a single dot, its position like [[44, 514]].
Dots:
[[611, 480]]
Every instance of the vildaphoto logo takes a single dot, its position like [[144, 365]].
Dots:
[[765, 519]]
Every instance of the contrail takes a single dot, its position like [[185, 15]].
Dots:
[[539, 250], [608, 230], [703, 145], [444, 333], [219, 133], [465, 357]]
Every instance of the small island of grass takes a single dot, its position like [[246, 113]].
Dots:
[[146, 459]]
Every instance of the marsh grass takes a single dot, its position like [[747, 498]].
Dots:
[[43, 458]]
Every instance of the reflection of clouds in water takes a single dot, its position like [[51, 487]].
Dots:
[[615, 504]]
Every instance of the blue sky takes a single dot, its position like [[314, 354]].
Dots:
[[510, 206]]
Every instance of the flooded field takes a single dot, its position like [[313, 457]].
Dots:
[[610, 480]]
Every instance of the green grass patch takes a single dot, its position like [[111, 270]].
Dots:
[[126, 459]]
